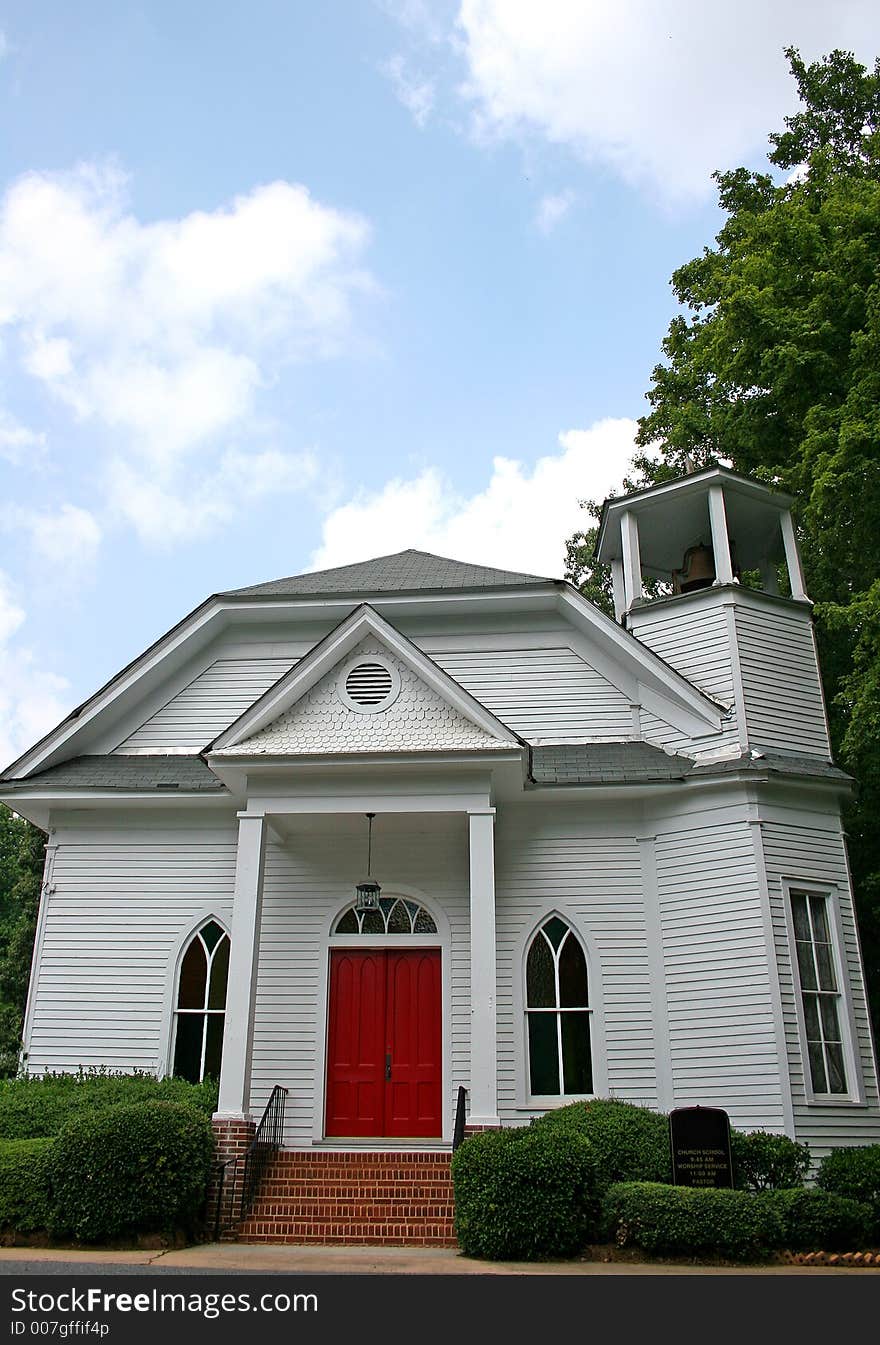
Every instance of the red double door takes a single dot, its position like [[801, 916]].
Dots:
[[384, 1072]]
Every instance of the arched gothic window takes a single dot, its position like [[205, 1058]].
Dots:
[[558, 1013], [200, 1004]]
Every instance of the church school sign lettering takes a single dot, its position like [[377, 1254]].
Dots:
[[700, 1141]]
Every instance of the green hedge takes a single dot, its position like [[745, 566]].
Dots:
[[33, 1108], [24, 1184], [691, 1221], [816, 1221], [629, 1143], [130, 1169], [766, 1162], [525, 1194], [855, 1173]]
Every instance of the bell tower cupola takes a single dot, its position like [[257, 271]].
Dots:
[[696, 565]]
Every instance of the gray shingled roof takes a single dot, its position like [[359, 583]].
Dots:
[[183, 774], [773, 763], [403, 572], [635, 762], [605, 763]]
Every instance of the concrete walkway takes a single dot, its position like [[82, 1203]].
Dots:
[[285, 1260]]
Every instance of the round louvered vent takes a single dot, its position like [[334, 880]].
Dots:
[[368, 684]]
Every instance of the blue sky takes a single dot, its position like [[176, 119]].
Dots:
[[286, 284]]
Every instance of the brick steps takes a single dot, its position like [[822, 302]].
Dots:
[[333, 1197]]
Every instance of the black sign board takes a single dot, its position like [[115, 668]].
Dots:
[[700, 1140]]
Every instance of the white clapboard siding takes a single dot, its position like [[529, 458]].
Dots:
[[307, 881], [812, 852], [196, 715], [694, 641], [541, 692], [112, 925], [780, 679], [554, 859], [722, 1040]]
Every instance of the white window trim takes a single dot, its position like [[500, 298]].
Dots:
[[855, 1094], [535, 1102], [356, 662]]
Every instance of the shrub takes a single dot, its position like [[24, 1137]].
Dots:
[[691, 1221], [24, 1184], [129, 1169], [524, 1194], [813, 1221], [32, 1108], [630, 1143], [766, 1162], [855, 1173]]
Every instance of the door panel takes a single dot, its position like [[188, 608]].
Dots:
[[385, 1004], [356, 1043]]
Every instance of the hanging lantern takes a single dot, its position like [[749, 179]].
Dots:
[[368, 891]]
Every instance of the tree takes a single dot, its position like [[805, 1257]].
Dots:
[[774, 368], [22, 853]]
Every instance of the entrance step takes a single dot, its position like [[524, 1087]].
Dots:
[[332, 1197]]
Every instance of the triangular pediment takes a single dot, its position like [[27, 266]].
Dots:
[[366, 688]]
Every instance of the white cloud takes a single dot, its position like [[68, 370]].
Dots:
[[18, 444], [662, 94], [31, 699], [165, 333], [164, 518], [11, 615], [551, 209], [416, 93], [520, 521], [68, 539]]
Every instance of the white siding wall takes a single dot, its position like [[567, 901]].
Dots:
[[196, 715], [123, 899], [693, 640], [308, 879], [805, 848], [556, 858], [780, 677], [723, 1047], [541, 692]]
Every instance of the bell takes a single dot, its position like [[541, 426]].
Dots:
[[697, 570]]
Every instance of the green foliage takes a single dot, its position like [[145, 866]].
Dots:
[[629, 1143], [524, 1194], [766, 1162], [855, 1173], [130, 1169], [40, 1106], [819, 1221], [24, 1184], [22, 852], [773, 365], [691, 1221]]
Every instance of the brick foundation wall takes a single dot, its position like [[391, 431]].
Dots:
[[232, 1136]]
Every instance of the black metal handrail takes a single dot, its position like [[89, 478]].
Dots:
[[458, 1129], [266, 1142]]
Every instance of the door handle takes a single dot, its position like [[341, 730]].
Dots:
[[388, 1065]]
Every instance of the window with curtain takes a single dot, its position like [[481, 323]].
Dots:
[[557, 1013], [200, 1004]]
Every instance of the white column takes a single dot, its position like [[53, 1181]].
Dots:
[[769, 579], [618, 589], [484, 1049], [720, 539], [235, 1068], [792, 557], [632, 561]]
